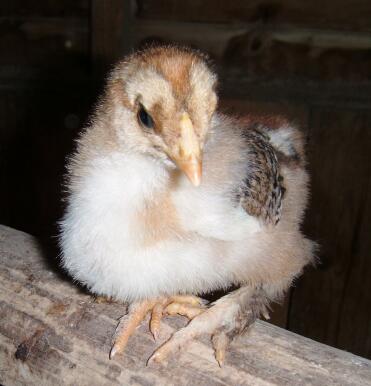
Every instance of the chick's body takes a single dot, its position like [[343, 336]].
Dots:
[[136, 228]]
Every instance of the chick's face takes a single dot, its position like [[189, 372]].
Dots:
[[172, 99]]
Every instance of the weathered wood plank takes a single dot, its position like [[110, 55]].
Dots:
[[267, 52], [52, 332], [335, 94], [340, 14]]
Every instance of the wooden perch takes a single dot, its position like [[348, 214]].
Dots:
[[52, 333]]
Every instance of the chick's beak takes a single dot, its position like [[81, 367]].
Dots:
[[188, 156]]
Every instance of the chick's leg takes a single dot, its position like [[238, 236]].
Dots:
[[185, 305], [229, 316], [127, 325]]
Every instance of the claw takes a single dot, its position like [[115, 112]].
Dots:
[[113, 352], [154, 358], [220, 356], [155, 322], [265, 313], [220, 343]]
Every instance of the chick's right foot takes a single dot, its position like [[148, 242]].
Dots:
[[189, 306]]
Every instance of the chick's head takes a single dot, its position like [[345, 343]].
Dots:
[[169, 96]]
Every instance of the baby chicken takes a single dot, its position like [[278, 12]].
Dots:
[[169, 199]]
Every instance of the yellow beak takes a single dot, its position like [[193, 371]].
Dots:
[[188, 156]]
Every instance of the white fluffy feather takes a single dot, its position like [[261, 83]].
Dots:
[[101, 241]]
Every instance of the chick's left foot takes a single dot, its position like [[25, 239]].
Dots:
[[189, 306], [230, 316]]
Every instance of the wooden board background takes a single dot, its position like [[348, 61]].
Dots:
[[346, 15], [308, 60]]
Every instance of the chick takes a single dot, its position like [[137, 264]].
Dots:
[[169, 199]]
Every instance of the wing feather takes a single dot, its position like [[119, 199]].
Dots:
[[261, 191]]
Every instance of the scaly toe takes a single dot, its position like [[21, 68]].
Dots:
[[128, 324], [184, 309], [171, 346], [188, 299], [156, 357], [156, 317], [178, 341]]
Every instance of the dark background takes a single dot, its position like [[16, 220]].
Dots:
[[308, 60]]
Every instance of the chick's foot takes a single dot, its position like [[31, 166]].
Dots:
[[230, 316], [189, 306]]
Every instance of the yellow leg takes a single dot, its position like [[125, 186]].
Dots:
[[128, 324], [189, 306]]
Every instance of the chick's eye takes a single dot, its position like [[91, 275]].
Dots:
[[144, 118]]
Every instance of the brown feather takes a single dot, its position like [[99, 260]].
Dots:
[[261, 191]]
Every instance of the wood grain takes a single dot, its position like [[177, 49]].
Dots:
[[52, 332], [107, 37], [268, 52], [337, 293], [341, 14]]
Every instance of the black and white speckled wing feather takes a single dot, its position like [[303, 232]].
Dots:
[[261, 191]]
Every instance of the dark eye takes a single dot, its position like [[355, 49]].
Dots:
[[144, 118]]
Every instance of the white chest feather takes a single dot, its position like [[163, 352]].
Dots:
[[102, 234]]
